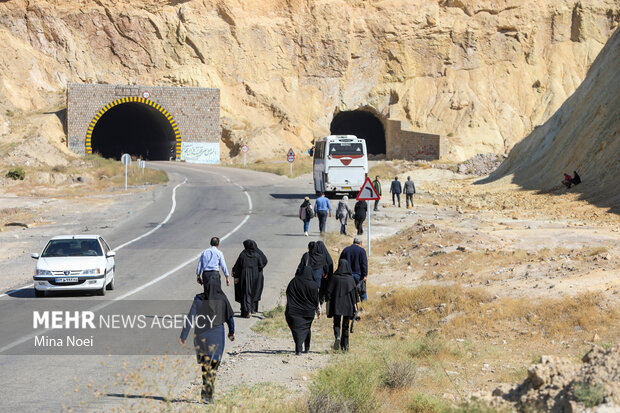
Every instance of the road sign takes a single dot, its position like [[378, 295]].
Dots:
[[368, 192], [245, 148], [146, 94], [290, 156]]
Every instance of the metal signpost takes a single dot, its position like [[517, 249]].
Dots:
[[126, 160], [245, 150], [290, 157], [368, 193]]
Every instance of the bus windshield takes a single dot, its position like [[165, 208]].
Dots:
[[346, 149]]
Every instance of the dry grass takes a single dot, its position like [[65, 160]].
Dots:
[[470, 311], [301, 166], [385, 170]]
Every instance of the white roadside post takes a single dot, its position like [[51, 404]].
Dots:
[[244, 149], [126, 160], [368, 193], [368, 208], [290, 157]]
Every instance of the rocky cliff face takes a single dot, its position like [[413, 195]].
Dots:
[[583, 135], [482, 72]]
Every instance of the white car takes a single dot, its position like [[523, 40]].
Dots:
[[74, 262]]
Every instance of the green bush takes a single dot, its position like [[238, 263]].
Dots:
[[348, 386], [589, 394], [16, 174], [422, 403]]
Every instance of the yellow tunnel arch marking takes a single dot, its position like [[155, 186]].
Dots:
[[155, 105]]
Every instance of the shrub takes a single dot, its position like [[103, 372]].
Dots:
[[399, 374], [422, 403], [589, 394], [16, 174], [349, 386]]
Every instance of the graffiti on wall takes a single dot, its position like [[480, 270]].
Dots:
[[76, 144], [200, 152]]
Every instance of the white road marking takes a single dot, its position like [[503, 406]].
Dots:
[[174, 205], [138, 289]]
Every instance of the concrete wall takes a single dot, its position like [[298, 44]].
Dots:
[[194, 114], [405, 144]]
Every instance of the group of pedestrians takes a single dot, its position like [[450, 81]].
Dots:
[[322, 209], [211, 309], [396, 189], [315, 283]]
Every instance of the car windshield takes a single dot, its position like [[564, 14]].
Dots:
[[346, 149], [72, 248]]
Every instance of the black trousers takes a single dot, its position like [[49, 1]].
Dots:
[[376, 204], [208, 274], [396, 195], [344, 338], [209, 370], [359, 225], [322, 215]]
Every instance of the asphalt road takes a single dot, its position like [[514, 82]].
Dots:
[[209, 201]]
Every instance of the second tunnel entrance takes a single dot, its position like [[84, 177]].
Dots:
[[362, 124]]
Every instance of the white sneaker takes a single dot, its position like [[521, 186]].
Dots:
[[306, 234]]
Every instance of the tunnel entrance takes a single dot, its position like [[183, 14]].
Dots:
[[138, 129], [362, 124]]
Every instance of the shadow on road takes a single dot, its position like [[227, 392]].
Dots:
[[292, 196], [150, 397]]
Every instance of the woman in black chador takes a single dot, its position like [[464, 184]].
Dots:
[[249, 279], [302, 302], [342, 305], [322, 265], [209, 311]]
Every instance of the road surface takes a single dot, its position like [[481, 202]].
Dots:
[[158, 264]]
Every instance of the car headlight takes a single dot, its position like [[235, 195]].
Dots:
[[43, 272], [92, 271]]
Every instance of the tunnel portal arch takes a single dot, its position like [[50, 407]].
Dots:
[[134, 125], [363, 124]]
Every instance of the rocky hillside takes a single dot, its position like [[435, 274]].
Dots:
[[583, 135], [482, 72]]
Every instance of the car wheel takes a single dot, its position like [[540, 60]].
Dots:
[[39, 293], [110, 286]]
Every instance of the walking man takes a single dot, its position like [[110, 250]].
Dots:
[[358, 263], [377, 186], [409, 191], [322, 207], [395, 190], [209, 264]]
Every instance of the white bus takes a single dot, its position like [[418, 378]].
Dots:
[[340, 164]]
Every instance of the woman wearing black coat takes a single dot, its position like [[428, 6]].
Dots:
[[360, 209], [342, 304], [302, 301], [249, 279]]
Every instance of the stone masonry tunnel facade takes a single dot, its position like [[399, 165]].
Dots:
[[150, 122]]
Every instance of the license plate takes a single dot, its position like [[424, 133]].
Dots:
[[346, 188], [67, 280]]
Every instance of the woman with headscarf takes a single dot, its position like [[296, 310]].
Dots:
[[343, 213], [209, 311], [343, 299], [306, 213], [302, 303], [249, 279]]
